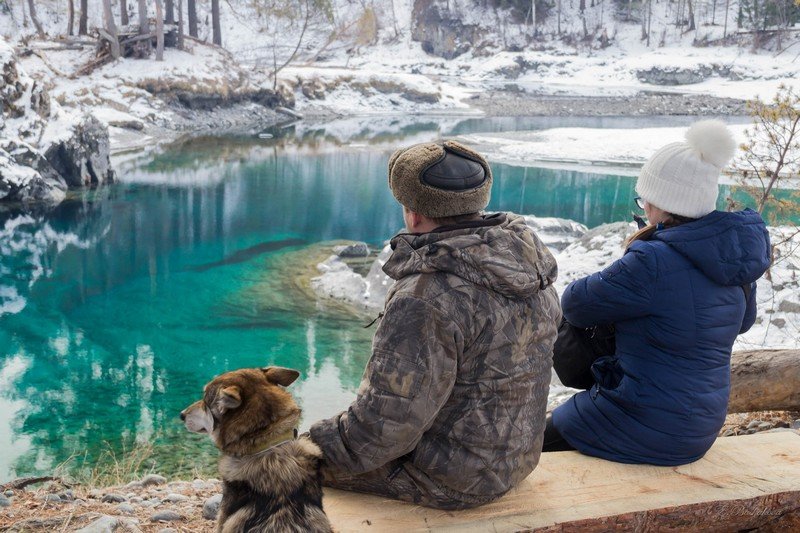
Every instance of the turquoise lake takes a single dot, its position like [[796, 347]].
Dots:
[[117, 306]]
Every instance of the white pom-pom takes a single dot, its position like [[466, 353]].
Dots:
[[713, 142]]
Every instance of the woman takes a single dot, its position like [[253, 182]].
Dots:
[[682, 292]]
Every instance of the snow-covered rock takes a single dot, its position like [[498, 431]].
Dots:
[[44, 149]]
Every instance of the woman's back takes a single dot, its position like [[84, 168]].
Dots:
[[677, 301]]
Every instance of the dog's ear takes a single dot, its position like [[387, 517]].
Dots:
[[229, 398], [280, 375]]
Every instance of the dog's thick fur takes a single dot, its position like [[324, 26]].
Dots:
[[269, 483]]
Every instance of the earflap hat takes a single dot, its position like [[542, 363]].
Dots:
[[682, 178], [440, 179]]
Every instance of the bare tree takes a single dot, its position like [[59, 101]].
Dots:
[[70, 16], [144, 26], [771, 153], [191, 7], [110, 29], [123, 12], [180, 24], [35, 19], [169, 6], [83, 21], [215, 23], [159, 31]]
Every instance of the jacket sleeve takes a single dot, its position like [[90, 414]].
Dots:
[[621, 291], [750, 311], [408, 379]]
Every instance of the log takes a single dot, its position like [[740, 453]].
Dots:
[[765, 380], [742, 483]]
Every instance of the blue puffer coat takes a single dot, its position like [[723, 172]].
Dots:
[[677, 303]]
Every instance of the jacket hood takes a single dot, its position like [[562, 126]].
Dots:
[[499, 252], [729, 248]]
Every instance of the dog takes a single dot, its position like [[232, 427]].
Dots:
[[271, 479]]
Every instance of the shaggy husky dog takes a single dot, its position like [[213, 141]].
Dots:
[[270, 478]]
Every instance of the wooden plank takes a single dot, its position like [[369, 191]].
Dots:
[[757, 477]]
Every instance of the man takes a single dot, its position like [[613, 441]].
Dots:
[[451, 409]]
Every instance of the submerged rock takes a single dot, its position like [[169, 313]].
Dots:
[[357, 249]]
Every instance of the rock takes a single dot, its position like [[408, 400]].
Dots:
[[674, 75], [51, 498], [796, 424], [9, 493], [175, 498], [440, 31], [211, 507], [134, 485], [764, 425], [556, 233], [82, 157], [27, 176], [728, 433], [126, 508], [167, 515], [168, 530], [96, 494], [754, 424], [153, 480], [358, 249], [787, 306], [112, 497], [378, 283], [5, 502], [779, 323], [111, 524]]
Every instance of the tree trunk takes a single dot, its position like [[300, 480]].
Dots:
[[180, 24], [691, 16], [215, 23], [159, 31], [725, 31], [123, 12], [70, 16], [83, 21], [169, 6], [559, 16], [35, 19], [111, 28], [192, 15], [765, 380]]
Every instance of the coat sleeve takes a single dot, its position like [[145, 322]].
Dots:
[[408, 379], [750, 311], [620, 292]]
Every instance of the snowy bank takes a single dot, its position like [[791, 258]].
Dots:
[[580, 252]]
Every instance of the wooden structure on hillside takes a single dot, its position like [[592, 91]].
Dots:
[[742, 483]]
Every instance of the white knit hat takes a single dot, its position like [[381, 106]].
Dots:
[[681, 178]]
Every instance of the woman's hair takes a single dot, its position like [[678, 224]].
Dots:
[[646, 232]]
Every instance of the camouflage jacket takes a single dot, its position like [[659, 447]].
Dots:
[[460, 366]]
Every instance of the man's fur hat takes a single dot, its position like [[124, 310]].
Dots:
[[440, 179]]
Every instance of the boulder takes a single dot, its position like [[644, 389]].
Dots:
[[82, 156], [440, 31], [27, 176], [674, 75]]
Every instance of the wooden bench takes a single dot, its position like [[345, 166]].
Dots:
[[742, 482]]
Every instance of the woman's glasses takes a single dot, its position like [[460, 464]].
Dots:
[[639, 202]]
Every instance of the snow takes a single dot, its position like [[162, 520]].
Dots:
[[618, 150]]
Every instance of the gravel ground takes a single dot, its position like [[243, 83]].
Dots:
[[154, 505], [517, 103]]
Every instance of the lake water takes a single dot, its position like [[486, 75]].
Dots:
[[117, 306]]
